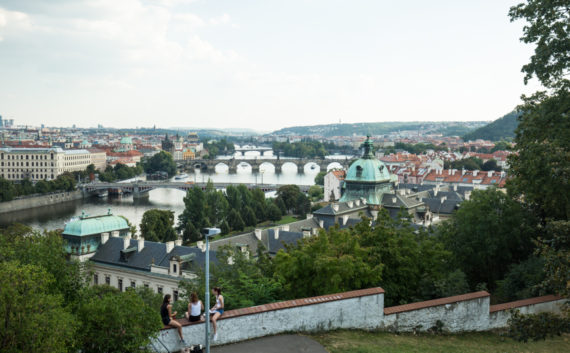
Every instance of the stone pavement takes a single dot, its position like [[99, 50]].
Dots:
[[273, 344]]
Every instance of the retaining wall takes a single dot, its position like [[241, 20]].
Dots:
[[361, 309], [38, 201]]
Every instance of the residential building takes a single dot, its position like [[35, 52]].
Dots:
[[333, 183]]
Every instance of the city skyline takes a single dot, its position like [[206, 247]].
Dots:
[[259, 65]]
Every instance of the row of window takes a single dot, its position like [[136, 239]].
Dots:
[[18, 164], [34, 156], [24, 176], [132, 284]]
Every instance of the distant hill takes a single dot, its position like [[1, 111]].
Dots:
[[500, 129], [446, 128]]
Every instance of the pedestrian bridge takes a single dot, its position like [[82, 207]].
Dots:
[[255, 164], [141, 188]]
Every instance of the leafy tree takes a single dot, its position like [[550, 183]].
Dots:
[[316, 193], [289, 194], [320, 178], [555, 249], [7, 190], [216, 205], [235, 221], [149, 297], [114, 321], [158, 225], [160, 162], [302, 205], [281, 205], [42, 187], [491, 164], [249, 217], [225, 227], [547, 28], [540, 170], [194, 206], [522, 281], [273, 212], [190, 234], [502, 146], [488, 234], [33, 317]]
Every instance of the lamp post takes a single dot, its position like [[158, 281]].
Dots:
[[208, 232]]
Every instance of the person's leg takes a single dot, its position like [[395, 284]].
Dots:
[[214, 319], [178, 326]]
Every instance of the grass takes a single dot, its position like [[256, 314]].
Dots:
[[383, 342]]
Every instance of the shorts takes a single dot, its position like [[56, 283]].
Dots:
[[165, 321], [221, 311], [194, 318]]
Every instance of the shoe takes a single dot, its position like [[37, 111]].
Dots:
[[215, 337], [182, 342]]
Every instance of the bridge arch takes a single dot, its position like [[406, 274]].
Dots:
[[289, 167], [267, 167], [221, 167], [311, 167]]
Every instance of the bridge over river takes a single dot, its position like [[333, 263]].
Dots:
[[232, 164], [141, 188]]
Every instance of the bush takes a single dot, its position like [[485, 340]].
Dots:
[[536, 326]]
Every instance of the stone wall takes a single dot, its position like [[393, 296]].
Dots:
[[38, 201], [361, 309]]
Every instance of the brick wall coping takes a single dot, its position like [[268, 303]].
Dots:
[[289, 304], [434, 302], [524, 302]]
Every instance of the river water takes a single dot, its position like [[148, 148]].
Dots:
[[55, 216]]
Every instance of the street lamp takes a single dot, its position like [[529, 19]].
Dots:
[[208, 232]]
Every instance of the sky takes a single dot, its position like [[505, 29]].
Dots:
[[257, 64]]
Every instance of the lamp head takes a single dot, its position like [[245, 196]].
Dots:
[[210, 232]]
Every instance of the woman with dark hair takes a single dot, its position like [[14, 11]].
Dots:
[[168, 316], [218, 309], [195, 308]]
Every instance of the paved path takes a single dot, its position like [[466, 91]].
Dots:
[[273, 344]]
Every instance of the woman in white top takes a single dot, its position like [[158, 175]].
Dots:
[[195, 308], [218, 309]]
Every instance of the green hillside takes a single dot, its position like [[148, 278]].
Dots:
[[500, 129]]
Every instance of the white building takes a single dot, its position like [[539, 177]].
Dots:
[[333, 184]]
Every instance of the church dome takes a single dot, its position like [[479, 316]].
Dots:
[[368, 168]]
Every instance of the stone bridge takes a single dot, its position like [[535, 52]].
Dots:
[[141, 188], [210, 165]]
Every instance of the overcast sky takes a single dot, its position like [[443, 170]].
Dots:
[[260, 64]]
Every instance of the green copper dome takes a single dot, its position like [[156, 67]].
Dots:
[[368, 168], [127, 140], [95, 225]]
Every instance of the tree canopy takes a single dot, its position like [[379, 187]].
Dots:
[[160, 162]]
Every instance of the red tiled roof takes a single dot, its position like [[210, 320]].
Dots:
[[435, 302], [291, 304], [524, 302], [340, 174]]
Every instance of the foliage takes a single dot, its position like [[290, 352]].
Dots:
[[471, 163], [158, 225], [502, 146], [540, 170], [320, 178], [491, 164], [160, 162], [114, 321], [235, 221], [487, 234], [548, 26], [302, 205], [289, 195], [149, 297], [303, 149], [34, 318], [120, 172], [536, 326], [419, 148], [7, 190], [522, 280], [500, 129], [215, 148], [316, 193], [555, 249], [273, 212]]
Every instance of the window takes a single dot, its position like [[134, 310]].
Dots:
[[108, 280], [159, 290], [133, 284], [146, 285], [175, 295], [358, 171], [95, 279], [174, 268], [120, 281]]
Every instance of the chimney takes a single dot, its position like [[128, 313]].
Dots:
[[363, 200], [315, 231], [475, 172], [258, 234], [467, 195], [321, 223], [462, 171], [357, 202], [350, 204], [178, 242], [344, 219], [126, 241], [285, 227], [200, 244], [503, 174], [310, 216], [454, 187], [276, 233], [104, 238], [140, 244], [394, 200], [490, 174], [115, 234], [169, 246], [335, 207]]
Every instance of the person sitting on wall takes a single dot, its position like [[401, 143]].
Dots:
[[218, 309], [168, 316], [195, 308]]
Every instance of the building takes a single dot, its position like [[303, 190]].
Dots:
[[98, 158], [120, 261], [333, 181], [39, 163]]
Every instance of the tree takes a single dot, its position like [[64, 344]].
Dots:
[[547, 28], [302, 205], [235, 221], [316, 193], [249, 217], [289, 194], [158, 225], [33, 317], [502, 146], [273, 212], [190, 234], [491, 164], [487, 234], [555, 249], [522, 281], [113, 321], [160, 162], [540, 170], [194, 206], [215, 205], [42, 187], [7, 190], [320, 178]]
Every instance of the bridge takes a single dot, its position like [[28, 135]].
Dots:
[[232, 164], [140, 189], [245, 148]]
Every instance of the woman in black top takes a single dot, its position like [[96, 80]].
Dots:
[[167, 316]]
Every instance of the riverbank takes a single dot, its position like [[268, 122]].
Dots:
[[34, 201]]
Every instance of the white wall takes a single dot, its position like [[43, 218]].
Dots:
[[499, 318]]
